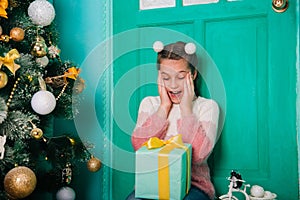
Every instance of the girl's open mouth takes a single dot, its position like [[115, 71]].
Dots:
[[175, 95]]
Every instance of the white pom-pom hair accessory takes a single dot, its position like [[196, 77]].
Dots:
[[158, 46], [190, 48]]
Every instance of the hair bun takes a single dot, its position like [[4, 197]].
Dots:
[[190, 48], [158, 46]]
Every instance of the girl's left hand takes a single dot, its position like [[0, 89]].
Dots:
[[186, 104]]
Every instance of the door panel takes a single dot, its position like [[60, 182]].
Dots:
[[245, 76], [258, 74], [240, 51]]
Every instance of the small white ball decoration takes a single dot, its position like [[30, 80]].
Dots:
[[43, 102], [158, 46], [268, 195], [190, 48], [41, 12], [65, 193], [43, 61], [257, 191]]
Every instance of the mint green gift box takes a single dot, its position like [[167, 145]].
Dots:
[[175, 173]]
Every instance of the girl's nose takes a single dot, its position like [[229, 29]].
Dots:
[[173, 84]]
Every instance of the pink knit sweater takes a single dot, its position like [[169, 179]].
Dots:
[[198, 129]]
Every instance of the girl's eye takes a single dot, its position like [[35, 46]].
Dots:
[[181, 76], [164, 77]]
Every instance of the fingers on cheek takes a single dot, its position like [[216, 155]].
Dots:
[[187, 80], [191, 77], [188, 76]]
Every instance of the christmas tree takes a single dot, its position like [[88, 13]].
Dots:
[[36, 86]]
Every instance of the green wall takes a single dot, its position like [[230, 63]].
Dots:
[[80, 24]]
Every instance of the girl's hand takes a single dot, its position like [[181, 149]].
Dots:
[[186, 104], [165, 100]]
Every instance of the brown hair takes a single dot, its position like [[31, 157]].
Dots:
[[176, 51]]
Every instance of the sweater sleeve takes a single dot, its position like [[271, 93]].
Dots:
[[148, 125], [200, 130]]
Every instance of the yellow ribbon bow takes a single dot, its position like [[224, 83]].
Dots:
[[155, 142], [3, 6], [9, 60], [71, 73]]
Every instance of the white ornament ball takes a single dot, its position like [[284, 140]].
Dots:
[[43, 61], [257, 191], [41, 12], [43, 102], [65, 193], [158, 46], [190, 48]]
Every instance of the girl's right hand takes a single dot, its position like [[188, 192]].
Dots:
[[165, 100]]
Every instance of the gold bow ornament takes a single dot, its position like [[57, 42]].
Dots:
[[9, 60], [71, 73], [3, 6], [178, 162]]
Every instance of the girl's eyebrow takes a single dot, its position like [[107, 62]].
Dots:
[[179, 72], [183, 71], [164, 73]]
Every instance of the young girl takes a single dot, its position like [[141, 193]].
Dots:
[[178, 110]]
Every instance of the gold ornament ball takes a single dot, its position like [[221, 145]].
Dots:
[[3, 79], [19, 182], [94, 164], [17, 34], [36, 133], [39, 47]]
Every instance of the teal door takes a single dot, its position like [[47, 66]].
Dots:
[[248, 66]]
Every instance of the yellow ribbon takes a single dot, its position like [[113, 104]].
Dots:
[[3, 6], [155, 142], [72, 73], [163, 162], [9, 60]]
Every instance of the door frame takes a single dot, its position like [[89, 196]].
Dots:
[[107, 101], [298, 86]]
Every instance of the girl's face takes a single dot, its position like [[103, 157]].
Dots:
[[173, 74]]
